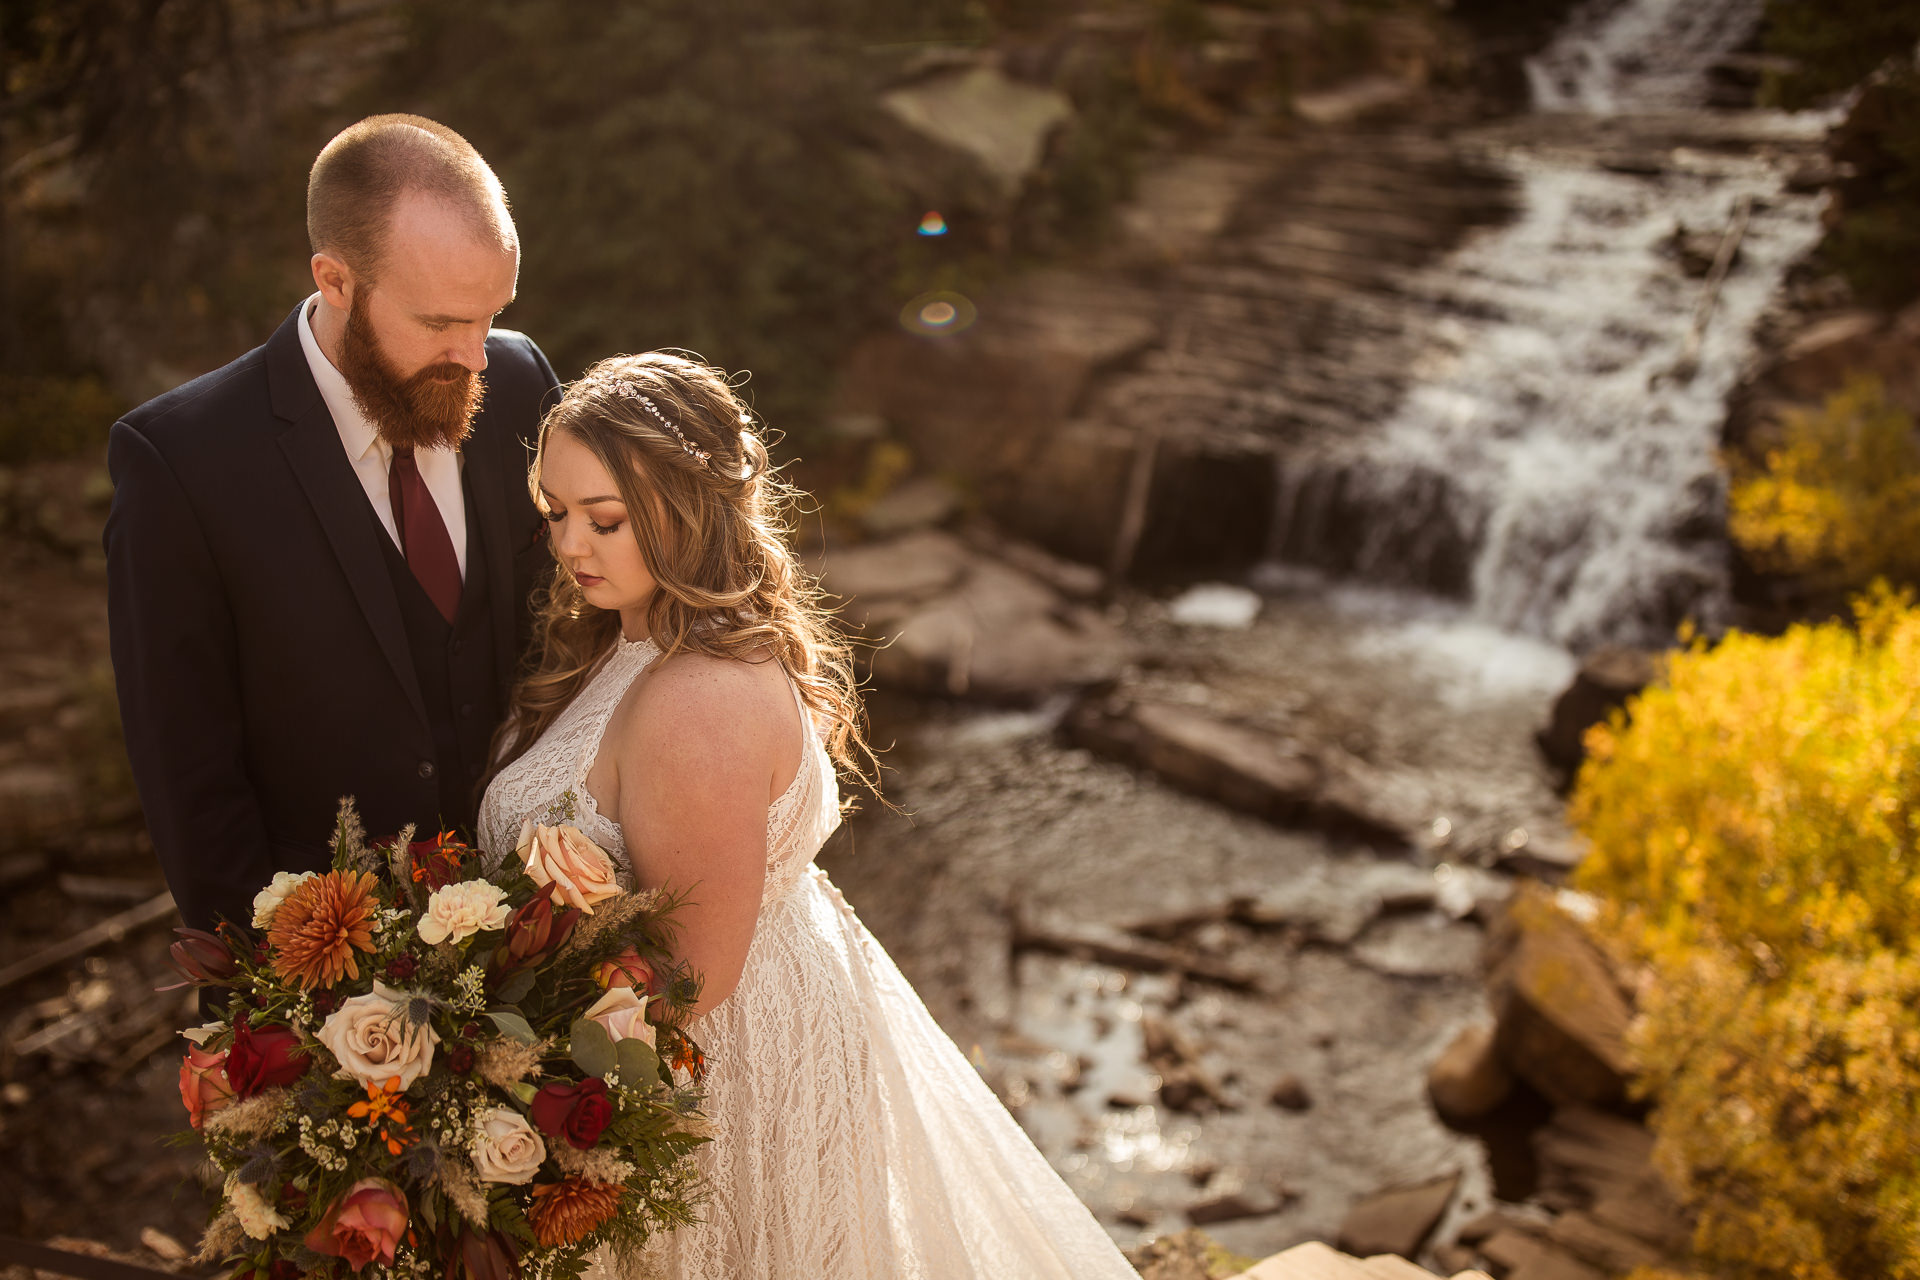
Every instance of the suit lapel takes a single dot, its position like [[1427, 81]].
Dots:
[[485, 478], [312, 446]]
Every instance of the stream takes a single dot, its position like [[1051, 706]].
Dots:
[[1562, 421]]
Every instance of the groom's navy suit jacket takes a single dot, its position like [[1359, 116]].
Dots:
[[263, 639]]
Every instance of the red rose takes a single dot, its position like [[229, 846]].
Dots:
[[261, 1059], [460, 1059], [402, 966], [576, 1112], [203, 1084], [364, 1224]]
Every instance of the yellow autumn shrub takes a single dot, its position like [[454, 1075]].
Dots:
[[1838, 500], [1753, 819]]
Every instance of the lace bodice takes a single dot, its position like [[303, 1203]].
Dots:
[[549, 783]]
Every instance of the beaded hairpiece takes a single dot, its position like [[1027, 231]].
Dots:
[[689, 447]]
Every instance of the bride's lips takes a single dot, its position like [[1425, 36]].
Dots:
[[587, 579]]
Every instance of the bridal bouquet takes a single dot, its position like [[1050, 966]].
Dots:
[[436, 1070]]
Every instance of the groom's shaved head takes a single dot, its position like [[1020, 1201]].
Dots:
[[360, 177]]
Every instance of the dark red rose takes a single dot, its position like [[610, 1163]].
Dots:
[[265, 1058], [470, 1032], [485, 1256], [576, 1112], [460, 1059], [202, 958], [534, 932], [325, 1001], [402, 966]]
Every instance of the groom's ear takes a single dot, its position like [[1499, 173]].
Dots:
[[334, 278]]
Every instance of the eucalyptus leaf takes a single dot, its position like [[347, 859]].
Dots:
[[591, 1047], [515, 989], [637, 1061], [511, 1023]]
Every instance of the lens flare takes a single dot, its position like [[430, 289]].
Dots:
[[938, 314], [933, 224]]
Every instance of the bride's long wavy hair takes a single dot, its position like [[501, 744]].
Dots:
[[715, 534]]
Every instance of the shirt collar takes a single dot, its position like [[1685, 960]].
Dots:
[[357, 435]]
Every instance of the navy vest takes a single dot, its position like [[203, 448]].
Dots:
[[455, 667]]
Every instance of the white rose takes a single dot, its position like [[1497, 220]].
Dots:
[[623, 1012], [506, 1148], [458, 911], [268, 900], [375, 1041], [257, 1218]]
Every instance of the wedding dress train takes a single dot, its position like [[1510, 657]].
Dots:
[[854, 1140]]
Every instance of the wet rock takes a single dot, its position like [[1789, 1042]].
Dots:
[[1561, 1016], [917, 504], [1289, 1093], [1239, 767], [1185, 1083], [1215, 604], [1364, 98], [1253, 1202], [1003, 124], [1822, 356], [1601, 1245], [1429, 945], [953, 622], [1607, 678], [1396, 1221], [1468, 1080]]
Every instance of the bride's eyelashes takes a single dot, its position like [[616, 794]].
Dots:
[[555, 517]]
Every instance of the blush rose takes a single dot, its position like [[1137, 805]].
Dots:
[[579, 871], [204, 1087], [623, 1012], [363, 1224], [505, 1147], [374, 1040]]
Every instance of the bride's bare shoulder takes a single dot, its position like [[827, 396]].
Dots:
[[727, 704]]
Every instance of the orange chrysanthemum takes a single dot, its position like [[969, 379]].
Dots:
[[566, 1211], [319, 927]]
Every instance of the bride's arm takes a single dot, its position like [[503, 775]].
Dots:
[[694, 765]]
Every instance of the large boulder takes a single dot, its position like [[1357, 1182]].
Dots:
[[1607, 678], [979, 111], [1468, 1079], [951, 621], [1399, 1220], [1561, 1014]]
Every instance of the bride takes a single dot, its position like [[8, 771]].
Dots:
[[687, 708]]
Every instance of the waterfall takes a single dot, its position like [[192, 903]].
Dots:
[[1554, 461]]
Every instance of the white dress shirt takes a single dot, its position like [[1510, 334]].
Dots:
[[371, 456]]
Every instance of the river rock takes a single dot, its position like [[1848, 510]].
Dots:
[[953, 622], [1289, 1093], [1398, 1220], [917, 504], [1561, 1015], [1241, 768], [978, 110], [1468, 1080], [1606, 679]]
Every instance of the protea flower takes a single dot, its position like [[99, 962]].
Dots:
[[319, 927]]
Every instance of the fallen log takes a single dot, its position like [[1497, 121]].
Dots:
[[1112, 946], [113, 929]]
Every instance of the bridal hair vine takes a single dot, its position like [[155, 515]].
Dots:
[[687, 446]]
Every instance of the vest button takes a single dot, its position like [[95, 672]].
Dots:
[[426, 768], [459, 646]]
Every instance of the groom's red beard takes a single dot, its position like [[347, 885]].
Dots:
[[434, 407]]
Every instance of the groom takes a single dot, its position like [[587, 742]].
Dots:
[[319, 556]]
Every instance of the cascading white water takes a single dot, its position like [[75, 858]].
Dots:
[[1560, 410], [1637, 55]]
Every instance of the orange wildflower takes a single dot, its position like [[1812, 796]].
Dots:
[[567, 1211], [319, 927], [386, 1114]]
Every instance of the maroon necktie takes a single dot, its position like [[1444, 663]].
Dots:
[[423, 534]]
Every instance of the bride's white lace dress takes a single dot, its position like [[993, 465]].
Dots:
[[854, 1140]]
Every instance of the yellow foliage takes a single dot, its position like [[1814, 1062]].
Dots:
[[1753, 819], [1839, 500]]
